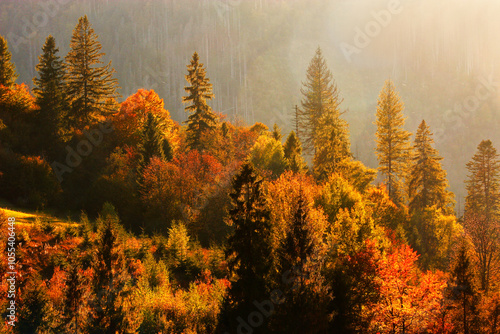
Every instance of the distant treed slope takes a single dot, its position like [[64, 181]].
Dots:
[[256, 53]]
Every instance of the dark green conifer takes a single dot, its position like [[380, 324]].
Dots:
[[90, 85], [7, 68], [427, 183], [202, 122], [293, 153], [249, 250], [51, 100]]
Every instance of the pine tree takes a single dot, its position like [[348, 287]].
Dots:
[[90, 85], [332, 144], [320, 97], [7, 68], [392, 141], [108, 305], [50, 98], [73, 296], [293, 154], [35, 314], [483, 184], [305, 294], [298, 245], [427, 182], [202, 122], [154, 143], [248, 247]]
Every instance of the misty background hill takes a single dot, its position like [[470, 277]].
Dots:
[[441, 55]]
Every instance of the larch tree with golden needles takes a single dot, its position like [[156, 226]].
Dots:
[[202, 121], [392, 141], [90, 85]]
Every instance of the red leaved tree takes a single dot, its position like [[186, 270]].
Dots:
[[410, 300], [133, 112]]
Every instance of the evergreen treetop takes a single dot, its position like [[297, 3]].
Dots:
[[201, 121], [483, 184], [293, 153], [8, 73], [248, 247], [320, 97], [50, 97], [90, 85], [427, 182], [332, 144], [154, 142]]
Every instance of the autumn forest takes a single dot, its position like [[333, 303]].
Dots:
[[121, 219]]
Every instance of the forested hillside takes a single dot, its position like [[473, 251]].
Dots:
[[257, 51], [248, 167]]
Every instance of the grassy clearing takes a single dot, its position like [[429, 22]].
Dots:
[[26, 216]]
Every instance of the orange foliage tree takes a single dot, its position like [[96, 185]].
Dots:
[[16, 106], [283, 196], [410, 301], [178, 189], [133, 113]]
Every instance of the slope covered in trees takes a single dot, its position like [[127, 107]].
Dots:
[[216, 226], [256, 52]]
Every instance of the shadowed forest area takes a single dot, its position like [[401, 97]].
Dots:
[[252, 183]]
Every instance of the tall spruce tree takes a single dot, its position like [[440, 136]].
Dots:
[[90, 85], [110, 284], [427, 183], [35, 314], [7, 69], [50, 98], [332, 144], [320, 97], [249, 248], [73, 296], [483, 184], [293, 153], [392, 141], [305, 293], [202, 122]]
